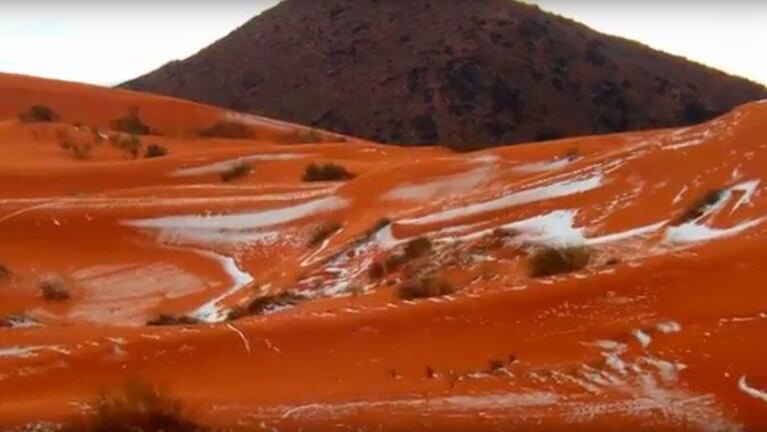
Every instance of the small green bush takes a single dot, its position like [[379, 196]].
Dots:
[[425, 287], [236, 171], [39, 114], [131, 124], [155, 151], [326, 172], [229, 130], [549, 261]]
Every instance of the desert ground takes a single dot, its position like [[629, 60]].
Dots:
[[268, 276]]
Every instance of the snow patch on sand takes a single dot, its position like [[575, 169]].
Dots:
[[237, 228], [448, 186], [29, 351], [538, 167], [749, 190], [693, 232], [223, 166], [751, 391], [551, 191], [213, 310]]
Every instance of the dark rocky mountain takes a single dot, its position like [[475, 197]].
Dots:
[[467, 73]]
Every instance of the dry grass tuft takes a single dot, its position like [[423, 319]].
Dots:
[[53, 288], [5, 272], [137, 407], [229, 130], [131, 123], [265, 304], [425, 287], [323, 232], [39, 114], [326, 172], [236, 171], [173, 320], [155, 151], [549, 261]]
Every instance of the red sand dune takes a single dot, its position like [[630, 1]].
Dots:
[[660, 331]]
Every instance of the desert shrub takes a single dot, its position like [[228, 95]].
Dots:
[[39, 114], [137, 407], [130, 145], [5, 272], [414, 249], [264, 304], [155, 151], [323, 232], [227, 129], [326, 172], [699, 207], [131, 124], [551, 260], [53, 288], [377, 270], [172, 320], [236, 171], [425, 287], [417, 248]]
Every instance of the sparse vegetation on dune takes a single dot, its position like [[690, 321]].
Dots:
[[5, 272], [155, 151], [131, 145], [699, 207], [173, 320], [323, 232], [553, 260], [228, 129], [131, 124], [136, 407], [236, 171], [326, 172], [39, 114], [425, 287], [310, 136], [414, 249], [53, 288], [264, 304]]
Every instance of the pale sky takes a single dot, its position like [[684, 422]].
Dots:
[[108, 42]]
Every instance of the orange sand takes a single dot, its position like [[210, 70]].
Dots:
[[667, 338]]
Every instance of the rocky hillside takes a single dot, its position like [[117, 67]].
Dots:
[[467, 73]]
